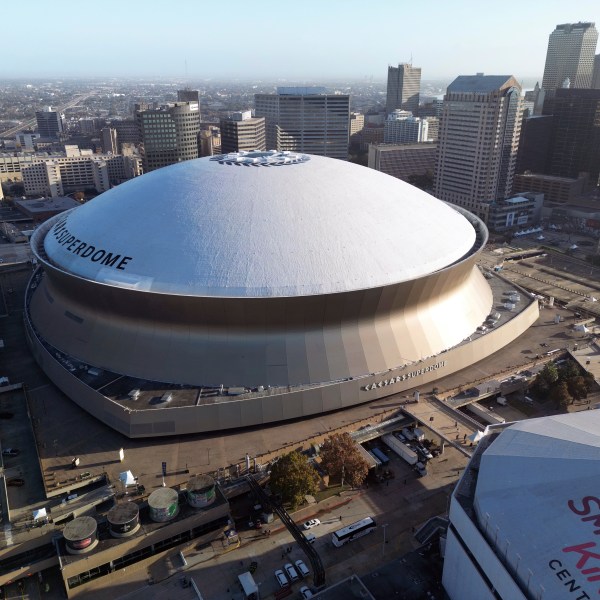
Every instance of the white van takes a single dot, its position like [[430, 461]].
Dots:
[[302, 568], [291, 572]]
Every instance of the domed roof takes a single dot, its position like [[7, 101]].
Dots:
[[253, 227], [535, 473]]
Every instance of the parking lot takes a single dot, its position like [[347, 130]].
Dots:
[[399, 505]]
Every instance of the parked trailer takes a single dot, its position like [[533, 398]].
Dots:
[[381, 456], [404, 452], [377, 461], [485, 414]]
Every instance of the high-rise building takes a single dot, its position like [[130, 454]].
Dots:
[[76, 170], [188, 96], [478, 140], [576, 142], [169, 134], [535, 144], [26, 140], [403, 85], [239, 131], [210, 140], [411, 162], [433, 128], [402, 128], [128, 131], [109, 140], [50, 123], [357, 123], [570, 55], [563, 190], [596, 74], [534, 101], [306, 119], [91, 126]]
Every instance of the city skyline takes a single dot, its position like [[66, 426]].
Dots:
[[305, 41]]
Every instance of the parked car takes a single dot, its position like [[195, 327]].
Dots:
[[421, 469], [11, 452], [305, 592], [291, 572], [302, 568], [424, 452], [310, 524], [311, 538], [281, 578]]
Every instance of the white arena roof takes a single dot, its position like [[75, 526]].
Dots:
[[219, 228], [537, 484]]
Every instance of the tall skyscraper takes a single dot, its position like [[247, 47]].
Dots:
[[109, 140], [50, 123], [535, 145], [576, 143], [596, 74], [306, 119], [570, 55], [169, 134], [478, 140], [403, 85], [239, 131]]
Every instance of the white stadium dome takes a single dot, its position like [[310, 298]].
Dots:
[[221, 228], [253, 288]]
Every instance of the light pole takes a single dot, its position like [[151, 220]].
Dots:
[[384, 526]]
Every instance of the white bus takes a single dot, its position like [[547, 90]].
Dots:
[[353, 532]]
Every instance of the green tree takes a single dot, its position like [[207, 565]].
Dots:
[[577, 387], [560, 396], [569, 370], [590, 382], [546, 379], [340, 457], [292, 477]]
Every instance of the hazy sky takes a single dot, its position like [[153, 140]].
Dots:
[[297, 39]]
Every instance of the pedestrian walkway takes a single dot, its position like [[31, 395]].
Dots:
[[452, 426]]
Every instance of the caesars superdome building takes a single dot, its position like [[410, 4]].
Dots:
[[256, 287]]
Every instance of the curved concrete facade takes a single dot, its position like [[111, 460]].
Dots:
[[269, 341], [286, 356], [268, 406]]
